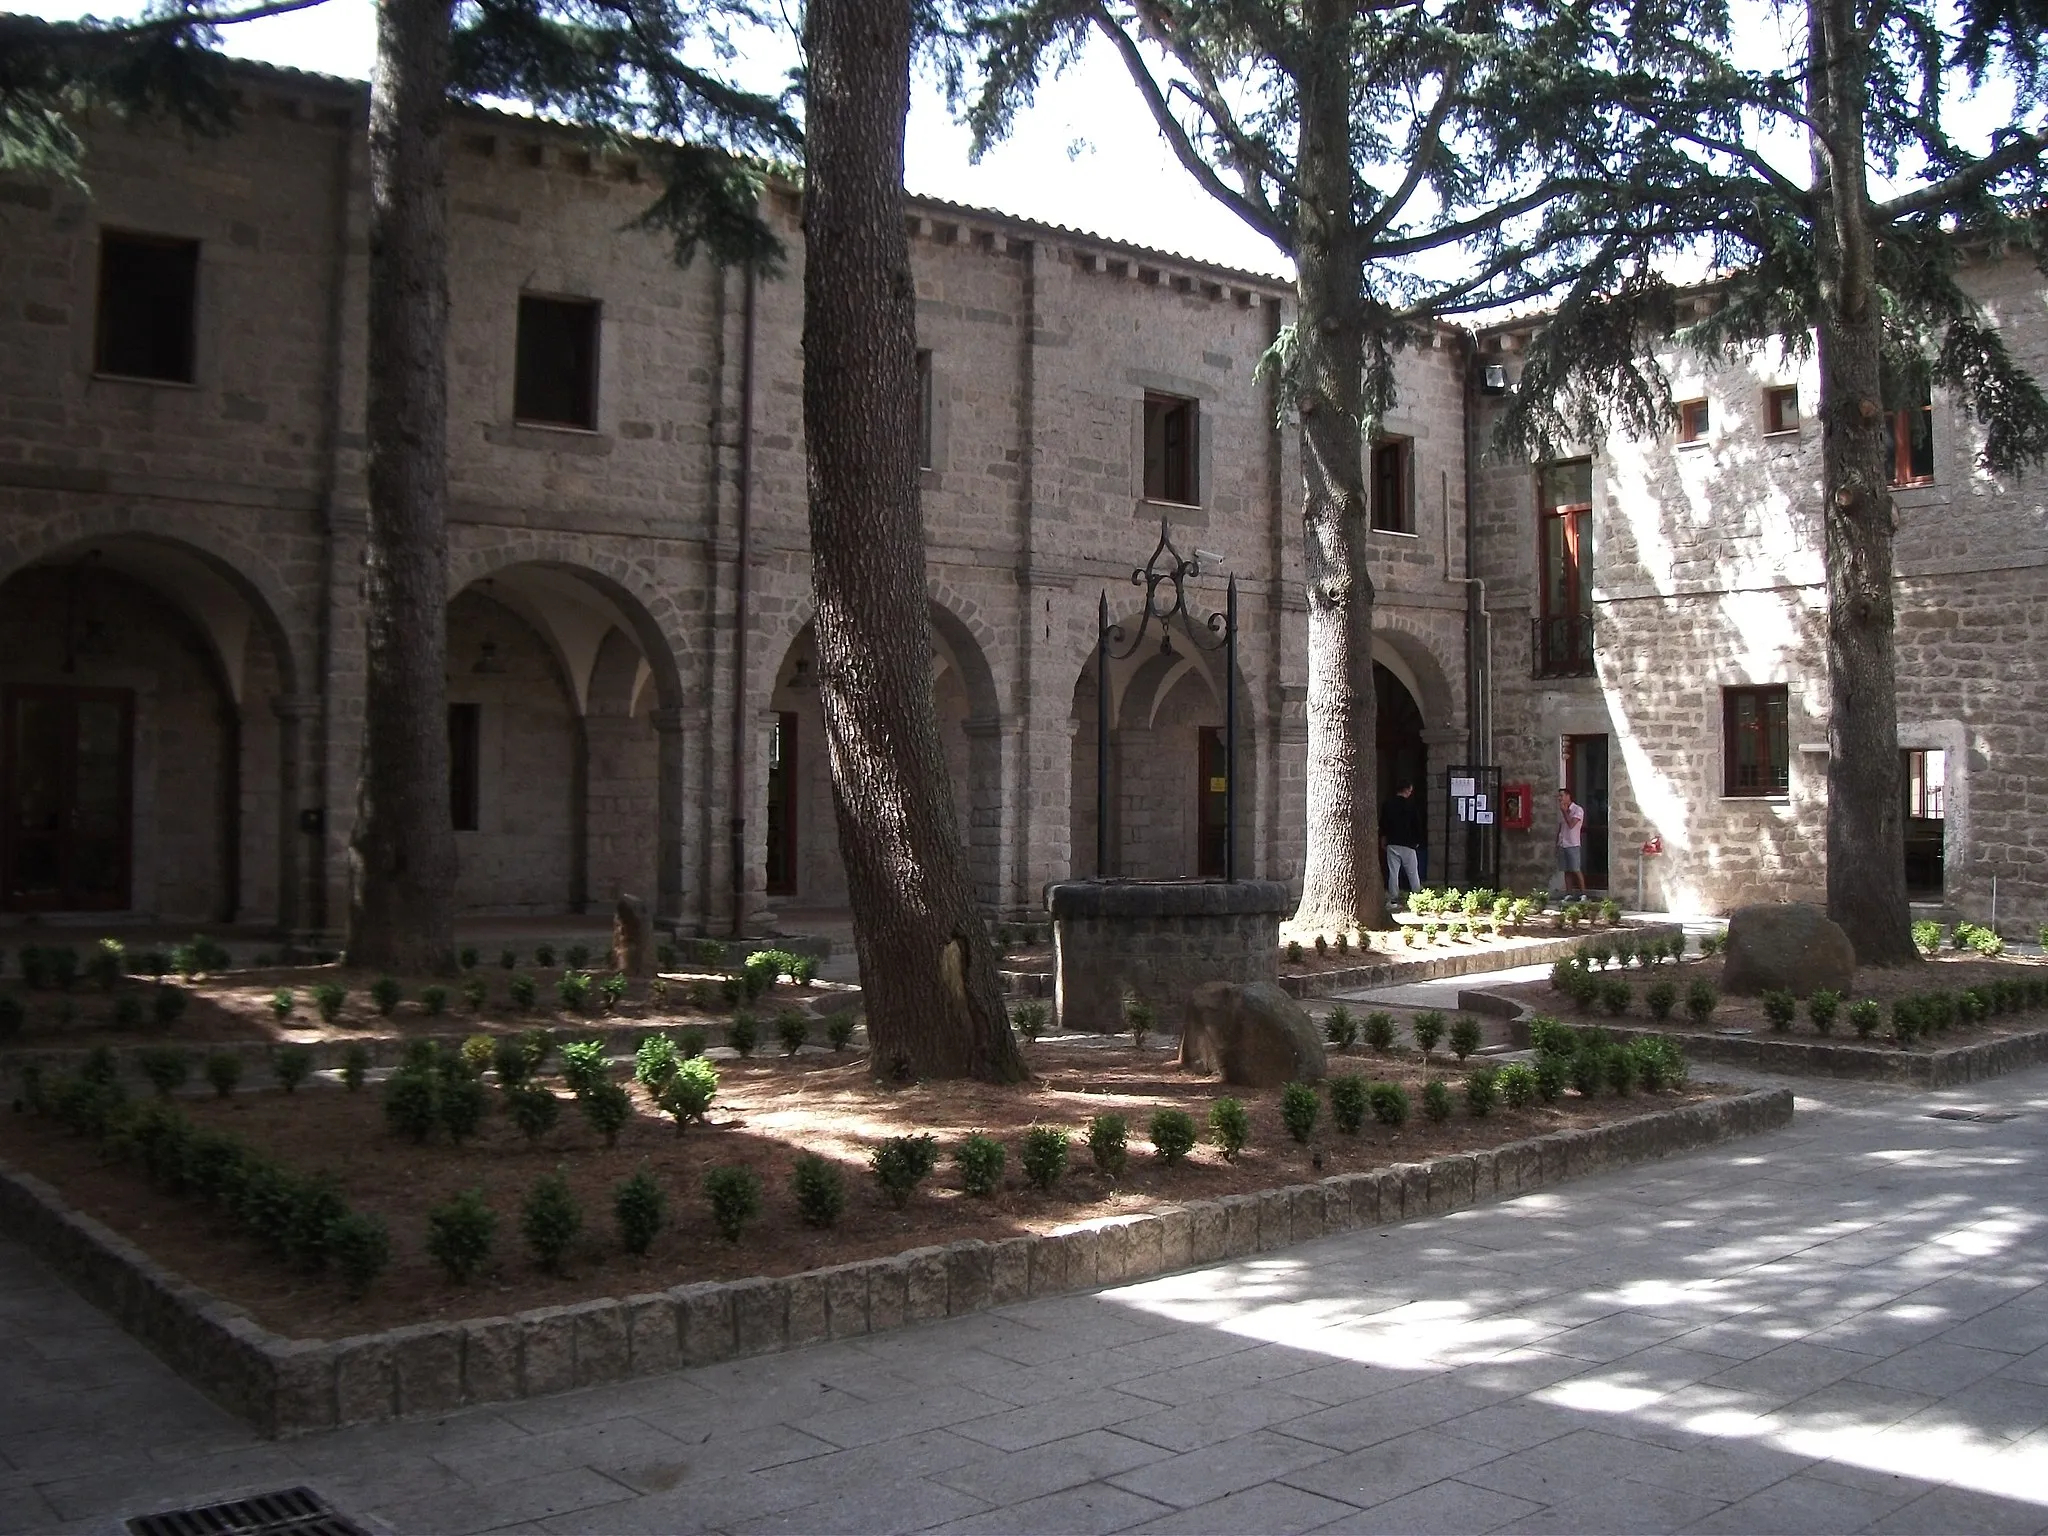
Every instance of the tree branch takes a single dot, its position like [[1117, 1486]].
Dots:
[[2028, 146], [1253, 212]]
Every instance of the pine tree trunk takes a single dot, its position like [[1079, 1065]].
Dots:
[[402, 853], [1866, 848], [927, 967], [1342, 884]]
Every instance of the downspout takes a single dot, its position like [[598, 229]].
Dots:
[[1477, 615], [742, 563]]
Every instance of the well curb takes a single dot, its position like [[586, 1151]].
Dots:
[[290, 1387]]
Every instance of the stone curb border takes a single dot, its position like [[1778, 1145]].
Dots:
[[1951, 1068], [1389, 973], [1397, 973], [297, 1386]]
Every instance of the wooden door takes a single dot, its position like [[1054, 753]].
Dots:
[[1212, 800], [66, 790]]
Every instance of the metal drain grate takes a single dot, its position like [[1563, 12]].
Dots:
[[288, 1512], [1987, 1115]]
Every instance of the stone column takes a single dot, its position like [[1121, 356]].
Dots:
[[668, 818], [984, 821], [300, 878]]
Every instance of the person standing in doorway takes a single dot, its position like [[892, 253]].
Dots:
[[1400, 836], [1571, 852]]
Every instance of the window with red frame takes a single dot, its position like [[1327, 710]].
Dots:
[[1756, 745]]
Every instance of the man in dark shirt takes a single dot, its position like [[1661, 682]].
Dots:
[[1400, 836]]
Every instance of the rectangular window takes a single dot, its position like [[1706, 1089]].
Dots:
[[1756, 745], [1781, 408], [925, 459], [1913, 443], [1693, 419], [148, 307], [1170, 450], [1563, 641], [1393, 505], [465, 765], [555, 381]]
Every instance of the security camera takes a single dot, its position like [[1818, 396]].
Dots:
[[1209, 560]]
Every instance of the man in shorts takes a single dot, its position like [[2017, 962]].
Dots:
[[1571, 853]]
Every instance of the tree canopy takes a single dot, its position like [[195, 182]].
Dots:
[[639, 70]]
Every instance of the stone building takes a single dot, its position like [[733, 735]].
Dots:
[[1658, 617], [631, 688], [630, 676]]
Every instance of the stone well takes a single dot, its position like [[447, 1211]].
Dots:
[[1159, 939]]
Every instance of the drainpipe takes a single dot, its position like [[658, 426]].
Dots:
[[1480, 655], [740, 616]]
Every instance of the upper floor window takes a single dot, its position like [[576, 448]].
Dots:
[[1564, 627], [1756, 748], [1393, 488], [925, 446], [555, 377], [1694, 417], [1170, 439], [148, 306], [1913, 442], [1781, 408]]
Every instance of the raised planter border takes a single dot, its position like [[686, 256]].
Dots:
[[1796, 1057], [1949, 1068], [1396, 973], [290, 1387]]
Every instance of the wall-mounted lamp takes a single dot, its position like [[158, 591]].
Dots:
[[801, 677], [487, 662], [1493, 379]]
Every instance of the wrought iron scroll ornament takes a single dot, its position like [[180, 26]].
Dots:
[[1167, 573], [1165, 577]]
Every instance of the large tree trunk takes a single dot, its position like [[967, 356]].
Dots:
[[1342, 883], [1866, 816], [402, 905], [934, 1006]]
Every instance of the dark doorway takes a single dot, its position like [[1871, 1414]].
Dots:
[[1403, 758], [66, 767], [1923, 771], [782, 806], [1585, 775], [1212, 800]]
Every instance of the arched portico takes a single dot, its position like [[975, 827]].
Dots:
[[565, 730], [154, 758], [1167, 764], [800, 842]]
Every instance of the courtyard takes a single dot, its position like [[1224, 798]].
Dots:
[[1840, 1326]]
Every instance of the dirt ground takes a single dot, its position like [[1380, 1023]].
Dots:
[[766, 1114], [1948, 971], [237, 1005]]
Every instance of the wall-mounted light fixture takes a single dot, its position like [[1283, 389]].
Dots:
[[1493, 379], [487, 661]]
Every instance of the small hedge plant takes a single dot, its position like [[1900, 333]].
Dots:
[[1172, 1134], [980, 1160]]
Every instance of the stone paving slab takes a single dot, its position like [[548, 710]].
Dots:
[[1840, 1326]]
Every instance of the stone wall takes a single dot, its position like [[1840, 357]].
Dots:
[[618, 551], [1157, 941], [1706, 573]]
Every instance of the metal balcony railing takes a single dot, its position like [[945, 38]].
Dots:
[[1561, 647]]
